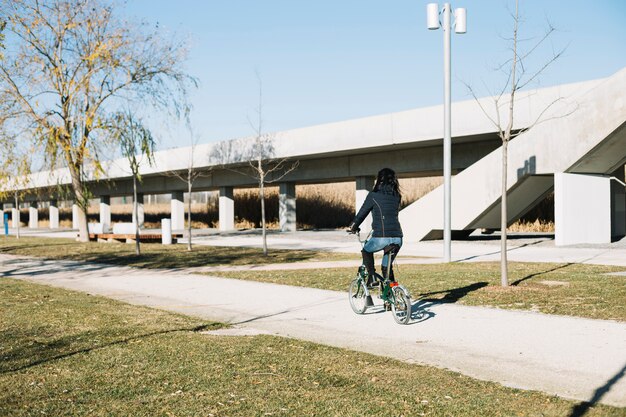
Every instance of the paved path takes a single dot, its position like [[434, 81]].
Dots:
[[571, 357]]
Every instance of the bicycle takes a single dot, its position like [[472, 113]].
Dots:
[[394, 295]]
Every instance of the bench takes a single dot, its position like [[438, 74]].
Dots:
[[130, 237]]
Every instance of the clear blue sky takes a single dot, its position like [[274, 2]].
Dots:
[[323, 61]]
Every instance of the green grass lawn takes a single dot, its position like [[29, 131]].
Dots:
[[569, 289], [66, 353], [156, 255]]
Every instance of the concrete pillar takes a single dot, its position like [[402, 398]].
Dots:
[[53, 214], [363, 186], [33, 215], [178, 210], [140, 211], [75, 211], [15, 217], [227, 209], [618, 204], [105, 213], [287, 206], [587, 209]]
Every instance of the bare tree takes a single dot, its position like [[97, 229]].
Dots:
[[71, 66], [189, 176], [518, 75], [15, 170], [259, 156], [137, 146]]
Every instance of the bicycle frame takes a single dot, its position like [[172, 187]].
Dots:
[[386, 291]]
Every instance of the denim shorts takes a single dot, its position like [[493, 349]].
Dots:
[[376, 244]]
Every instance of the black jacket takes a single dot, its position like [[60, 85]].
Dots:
[[384, 206]]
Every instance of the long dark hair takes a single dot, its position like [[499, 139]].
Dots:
[[387, 182]]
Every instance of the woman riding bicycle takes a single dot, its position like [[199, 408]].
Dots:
[[384, 203]]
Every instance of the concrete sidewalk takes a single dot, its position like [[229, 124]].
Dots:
[[571, 357]]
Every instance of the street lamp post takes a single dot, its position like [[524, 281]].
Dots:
[[432, 15]]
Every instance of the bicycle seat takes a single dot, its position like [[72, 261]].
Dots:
[[391, 248]]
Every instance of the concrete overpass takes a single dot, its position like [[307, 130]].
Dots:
[[410, 142]]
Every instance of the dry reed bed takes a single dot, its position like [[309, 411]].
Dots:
[[319, 206]]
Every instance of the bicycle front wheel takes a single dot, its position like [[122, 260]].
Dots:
[[356, 295], [401, 307]]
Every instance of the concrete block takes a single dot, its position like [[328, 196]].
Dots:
[[123, 228], [95, 228], [582, 208]]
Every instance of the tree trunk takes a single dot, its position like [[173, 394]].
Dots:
[[17, 214], [504, 274], [189, 213], [136, 211], [263, 226], [79, 194]]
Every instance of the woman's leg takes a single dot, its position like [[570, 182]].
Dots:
[[386, 261], [374, 244]]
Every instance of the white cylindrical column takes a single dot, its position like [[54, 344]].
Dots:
[[140, 212], [226, 209], [166, 231], [178, 210], [33, 215], [53, 214], [287, 206], [75, 212], [15, 217], [105, 213]]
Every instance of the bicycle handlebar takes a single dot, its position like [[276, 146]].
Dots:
[[358, 235]]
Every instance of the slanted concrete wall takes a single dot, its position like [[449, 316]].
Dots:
[[591, 139]]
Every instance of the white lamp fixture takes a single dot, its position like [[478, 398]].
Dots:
[[432, 21], [432, 16], [460, 20]]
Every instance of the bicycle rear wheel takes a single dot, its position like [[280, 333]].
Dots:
[[356, 295], [401, 307]]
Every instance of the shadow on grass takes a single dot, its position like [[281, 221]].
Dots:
[[498, 251], [453, 295], [582, 408], [556, 268], [12, 249], [35, 267], [38, 353], [184, 259], [155, 256]]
